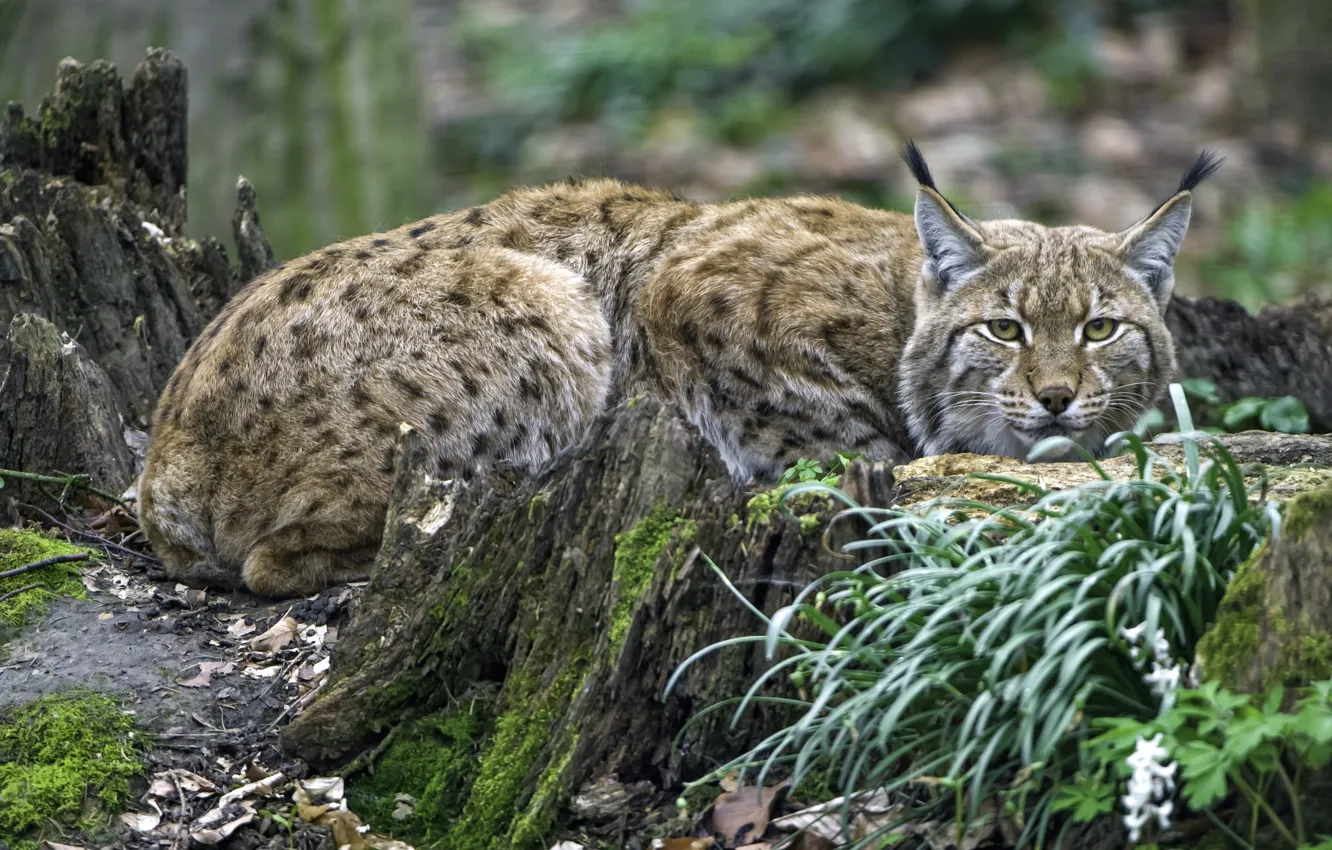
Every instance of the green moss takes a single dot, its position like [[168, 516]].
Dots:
[[636, 552], [65, 760], [1230, 645], [522, 735], [535, 822], [1306, 510], [760, 508], [20, 548], [435, 762], [538, 502]]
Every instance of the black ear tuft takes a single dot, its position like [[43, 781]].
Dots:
[[1203, 167], [915, 160]]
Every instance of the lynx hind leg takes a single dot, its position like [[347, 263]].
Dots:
[[171, 520], [272, 569]]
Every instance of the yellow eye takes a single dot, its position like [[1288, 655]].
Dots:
[[1006, 330], [1099, 330]]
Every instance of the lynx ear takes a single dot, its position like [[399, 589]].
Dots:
[[954, 248], [1149, 247]]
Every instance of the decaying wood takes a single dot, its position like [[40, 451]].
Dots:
[[58, 413], [1275, 624], [92, 215]]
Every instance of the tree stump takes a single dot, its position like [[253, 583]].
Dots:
[[60, 413], [92, 215], [563, 605], [1274, 626]]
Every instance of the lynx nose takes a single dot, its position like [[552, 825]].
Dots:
[[1055, 399]]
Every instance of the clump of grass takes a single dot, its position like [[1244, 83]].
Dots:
[[975, 645]]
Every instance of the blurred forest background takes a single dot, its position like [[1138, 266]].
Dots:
[[351, 116]]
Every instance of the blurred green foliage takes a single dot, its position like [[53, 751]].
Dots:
[[1273, 250], [743, 63], [1283, 414]]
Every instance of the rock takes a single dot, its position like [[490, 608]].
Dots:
[[1108, 203], [1112, 140], [933, 109], [840, 141], [60, 413], [1294, 464], [1274, 626]]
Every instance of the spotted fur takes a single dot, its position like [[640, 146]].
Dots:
[[782, 327]]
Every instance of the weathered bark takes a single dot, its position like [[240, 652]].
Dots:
[[60, 413], [1284, 350], [576, 597], [92, 210]]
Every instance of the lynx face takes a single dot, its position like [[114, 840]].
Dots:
[[1025, 332]]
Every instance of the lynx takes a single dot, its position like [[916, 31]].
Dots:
[[782, 327]]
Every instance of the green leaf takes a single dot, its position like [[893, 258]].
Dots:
[[1202, 389], [1204, 769], [1087, 799], [1285, 414], [1239, 414]]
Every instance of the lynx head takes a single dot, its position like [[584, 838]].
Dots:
[[1023, 332]]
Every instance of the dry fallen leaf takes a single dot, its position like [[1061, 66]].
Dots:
[[51, 845], [346, 830], [207, 669], [683, 843], [143, 822], [265, 787], [222, 833], [825, 819], [278, 636], [741, 816], [317, 788], [309, 813], [240, 628], [262, 672]]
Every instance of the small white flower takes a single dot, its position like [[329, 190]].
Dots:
[[1134, 634], [1149, 783]]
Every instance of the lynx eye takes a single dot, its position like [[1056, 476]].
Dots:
[[1004, 330], [1099, 330]]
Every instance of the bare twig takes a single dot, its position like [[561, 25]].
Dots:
[[182, 828], [83, 482], [44, 562], [88, 535], [11, 594]]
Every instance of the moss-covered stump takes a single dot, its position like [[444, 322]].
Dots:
[[1274, 626], [58, 412], [92, 215], [554, 612]]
